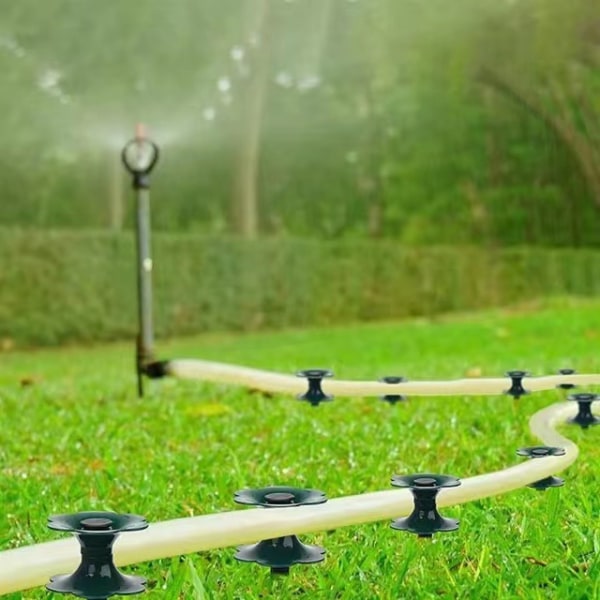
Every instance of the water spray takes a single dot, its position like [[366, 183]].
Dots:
[[140, 156]]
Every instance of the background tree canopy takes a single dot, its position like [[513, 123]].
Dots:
[[476, 121]]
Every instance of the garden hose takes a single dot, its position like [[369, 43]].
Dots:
[[31, 566], [268, 381]]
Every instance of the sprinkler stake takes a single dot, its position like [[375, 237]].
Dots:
[[315, 394], [566, 386], [516, 389], [584, 418], [425, 520], [96, 578], [393, 398], [542, 452]]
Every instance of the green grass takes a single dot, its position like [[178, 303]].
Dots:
[[73, 436]]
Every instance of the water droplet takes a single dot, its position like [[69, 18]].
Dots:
[[284, 79], [237, 53], [209, 113], [224, 84], [309, 82], [49, 79]]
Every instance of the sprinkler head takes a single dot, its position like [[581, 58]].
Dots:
[[279, 495], [96, 578], [566, 386], [542, 452], [139, 156], [425, 520], [393, 398], [584, 418], [516, 389], [279, 554], [315, 395]]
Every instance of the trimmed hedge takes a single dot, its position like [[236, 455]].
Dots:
[[80, 286]]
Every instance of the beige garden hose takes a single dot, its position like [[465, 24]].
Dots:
[[268, 381], [31, 566]]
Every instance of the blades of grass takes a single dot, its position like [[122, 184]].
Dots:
[[196, 582]]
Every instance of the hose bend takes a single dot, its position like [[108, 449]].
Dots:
[[31, 566]]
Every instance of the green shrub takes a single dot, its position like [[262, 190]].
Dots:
[[80, 286]]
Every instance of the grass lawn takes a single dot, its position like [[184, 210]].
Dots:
[[74, 436]]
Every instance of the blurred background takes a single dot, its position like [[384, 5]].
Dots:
[[322, 160]]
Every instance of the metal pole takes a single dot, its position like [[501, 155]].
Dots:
[[139, 157], [145, 345]]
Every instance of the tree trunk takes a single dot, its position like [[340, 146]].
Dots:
[[249, 124], [371, 182], [320, 27], [375, 219]]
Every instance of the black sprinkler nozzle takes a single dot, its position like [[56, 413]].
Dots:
[[584, 417], [96, 578], [425, 520], [315, 394], [393, 398], [139, 156], [542, 452], [279, 554], [516, 389]]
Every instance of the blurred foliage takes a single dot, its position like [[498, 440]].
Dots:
[[426, 122], [77, 286]]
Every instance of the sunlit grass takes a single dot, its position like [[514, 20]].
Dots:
[[74, 436]]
